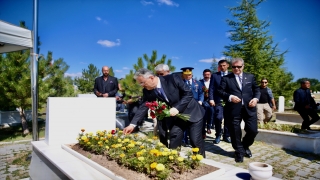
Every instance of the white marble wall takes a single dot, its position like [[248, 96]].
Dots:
[[67, 115]]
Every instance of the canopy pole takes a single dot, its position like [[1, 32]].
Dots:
[[34, 74]]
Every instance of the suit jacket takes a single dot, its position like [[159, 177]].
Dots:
[[214, 85], [205, 102], [179, 96], [302, 98], [250, 90], [111, 88], [197, 91]]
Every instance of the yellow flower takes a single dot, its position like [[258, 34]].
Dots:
[[126, 140], [124, 148], [101, 138], [160, 144], [90, 133], [193, 157], [149, 140], [100, 142], [139, 153], [141, 147], [131, 145], [155, 137], [199, 157], [84, 138], [174, 152], [119, 140], [143, 150], [141, 158], [195, 150], [180, 159], [164, 153], [171, 157], [107, 147], [88, 143], [106, 141], [166, 150], [122, 155], [109, 135], [97, 138], [138, 143], [153, 165], [160, 167]]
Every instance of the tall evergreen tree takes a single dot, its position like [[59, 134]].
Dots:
[[85, 83], [128, 83], [253, 44]]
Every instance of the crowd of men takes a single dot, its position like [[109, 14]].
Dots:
[[220, 101]]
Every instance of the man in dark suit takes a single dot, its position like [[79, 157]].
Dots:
[[176, 94], [208, 120], [305, 105], [105, 85], [241, 93], [216, 101]]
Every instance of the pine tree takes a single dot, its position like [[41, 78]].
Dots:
[[85, 83], [255, 46]]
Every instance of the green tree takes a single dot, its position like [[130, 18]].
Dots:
[[85, 83], [255, 46], [15, 84], [128, 83]]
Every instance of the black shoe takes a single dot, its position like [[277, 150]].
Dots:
[[238, 157], [217, 140], [248, 152], [227, 139]]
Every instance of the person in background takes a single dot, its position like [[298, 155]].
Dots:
[[161, 70], [105, 85], [266, 103], [196, 89], [119, 97], [305, 105], [208, 120], [171, 90], [216, 101], [241, 94]]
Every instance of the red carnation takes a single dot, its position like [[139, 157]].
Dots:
[[113, 131]]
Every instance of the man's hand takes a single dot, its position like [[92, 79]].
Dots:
[[253, 102], [235, 99], [274, 107], [211, 102], [98, 93], [200, 103], [128, 130], [173, 111], [105, 95]]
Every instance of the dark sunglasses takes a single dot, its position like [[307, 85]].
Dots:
[[264, 82], [160, 74], [236, 67]]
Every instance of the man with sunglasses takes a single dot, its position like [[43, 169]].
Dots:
[[241, 94], [266, 102]]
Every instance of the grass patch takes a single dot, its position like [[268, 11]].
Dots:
[[281, 127], [14, 133], [22, 159]]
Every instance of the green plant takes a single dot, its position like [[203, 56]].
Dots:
[[280, 127], [142, 154]]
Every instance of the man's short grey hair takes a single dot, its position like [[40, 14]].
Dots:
[[233, 60], [161, 67], [146, 73]]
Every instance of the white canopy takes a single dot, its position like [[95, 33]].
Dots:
[[14, 38]]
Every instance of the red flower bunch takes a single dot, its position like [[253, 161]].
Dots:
[[161, 110], [205, 91]]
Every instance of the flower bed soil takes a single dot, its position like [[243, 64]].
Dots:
[[133, 175]]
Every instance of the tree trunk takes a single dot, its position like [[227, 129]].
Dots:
[[24, 123]]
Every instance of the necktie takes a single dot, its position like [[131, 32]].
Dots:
[[162, 94], [240, 80]]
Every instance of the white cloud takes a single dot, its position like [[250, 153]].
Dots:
[[145, 3], [83, 63], [118, 70], [168, 2], [73, 75], [175, 57], [98, 18], [284, 40], [210, 60], [108, 43], [125, 68], [228, 34]]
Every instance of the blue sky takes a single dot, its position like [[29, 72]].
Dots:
[[190, 32]]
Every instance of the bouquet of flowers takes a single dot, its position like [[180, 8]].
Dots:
[[161, 110], [205, 91]]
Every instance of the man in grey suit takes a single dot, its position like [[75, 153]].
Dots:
[[241, 93], [105, 85], [177, 95]]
